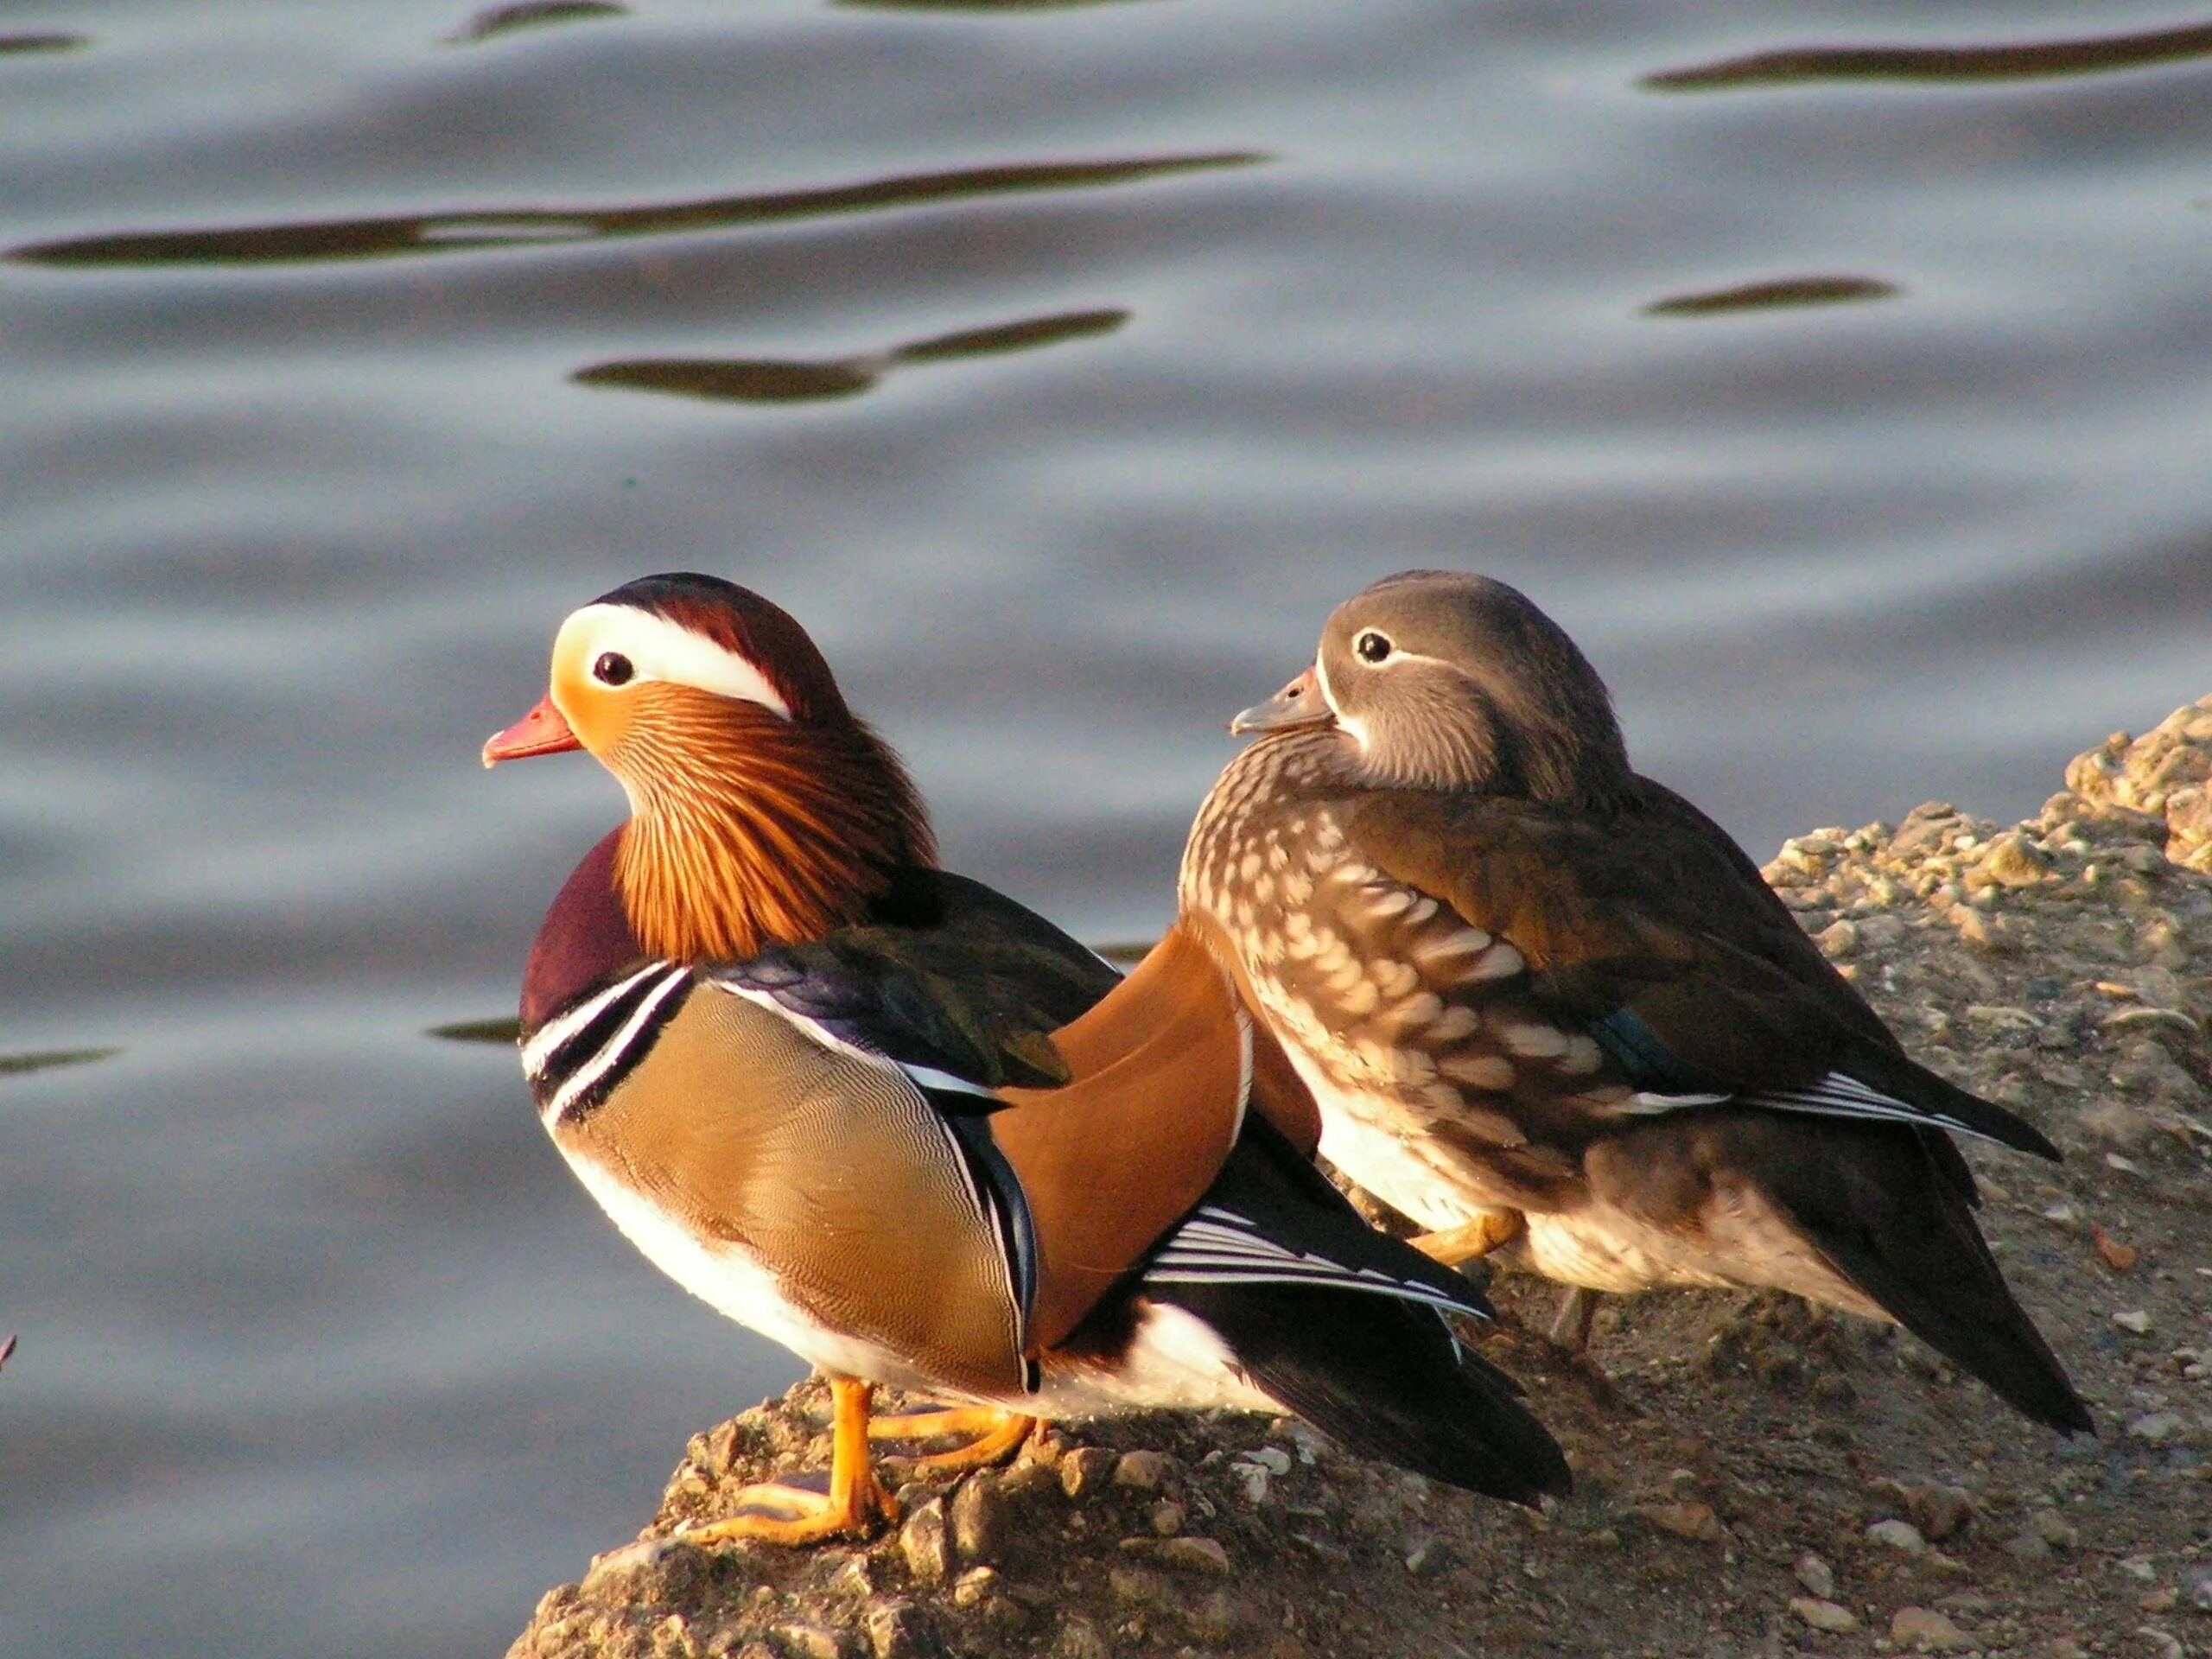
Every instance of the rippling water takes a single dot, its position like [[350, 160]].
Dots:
[[1837, 374]]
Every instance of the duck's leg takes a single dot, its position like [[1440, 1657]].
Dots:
[[997, 1435], [1486, 1232], [1578, 1310], [855, 1506]]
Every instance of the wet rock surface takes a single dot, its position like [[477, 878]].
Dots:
[[1754, 1476]]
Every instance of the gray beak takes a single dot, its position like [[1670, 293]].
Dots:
[[1299, 704]]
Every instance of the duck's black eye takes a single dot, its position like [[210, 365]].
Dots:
[[612, 668], [1371, 646]]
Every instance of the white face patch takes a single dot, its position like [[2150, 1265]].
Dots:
[[656, 649]]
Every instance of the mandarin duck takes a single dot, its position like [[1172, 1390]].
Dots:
[[1547, 1008], [913, 1132]]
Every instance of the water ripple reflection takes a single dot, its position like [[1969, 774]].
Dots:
[[323, 241], [2036, 60], [1771, 295], [786, 381]]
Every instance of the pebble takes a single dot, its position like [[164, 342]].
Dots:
[[978, 1515], [1926, 1630], [2196, 1589], [2056, 1529], [1142, 1472], [2154, 1426], [1898, 1535], [809, 1641], [1816, 1575], [894, 1631], [1254, 1479], [1078, 1638], [1688, 1519], [974, 1586], [2135, 1320], [926, 1544], [1939, 1511], [1822, 1615], [1084, 1471], [1202, 1556]]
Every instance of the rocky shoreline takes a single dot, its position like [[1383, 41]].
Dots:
[[1753, 1476]]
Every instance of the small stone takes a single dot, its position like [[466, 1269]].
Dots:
[[1273, 1458], [1428, 1557], [2139, 1566], [809, 1641], [1138, 1586], [2028, 1547], [1078, 1638], [1254, 1479], [978, 1516], [1143, 1472], [1167, 1517], [1086, 1470], [1203, 1556], [2154, 1426], [1838, 940], [895, 1631], [1219, 1618], [1898, 1535], [2056, 1529], [2011, 861], [974, 1586], [1926, 1630], [2135, 1320], [1816, 1575], [1939, 1511], [2160, 1600], [924, 1540], [1688, 1519], [854, 1579], [1822, 1615], [2196, 1588], [2164, 1643]]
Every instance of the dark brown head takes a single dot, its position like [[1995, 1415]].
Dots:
[[1440, 680], [761, 809]]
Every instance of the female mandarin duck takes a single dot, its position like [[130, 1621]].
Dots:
[[913, 1132], [1547, 1008]]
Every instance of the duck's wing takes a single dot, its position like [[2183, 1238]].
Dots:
[[1646, 933], [948, 977]]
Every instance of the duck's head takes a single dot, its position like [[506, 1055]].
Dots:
[[761, 810], [1439, 680]]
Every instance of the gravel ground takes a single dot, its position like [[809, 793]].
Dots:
[[1754, 1476]]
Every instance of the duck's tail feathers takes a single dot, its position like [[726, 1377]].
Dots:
[[1346, 1327], [1885, 1214]]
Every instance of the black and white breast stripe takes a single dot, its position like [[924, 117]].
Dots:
[[1833, 1096], [1219, 1247], [575, 1059]]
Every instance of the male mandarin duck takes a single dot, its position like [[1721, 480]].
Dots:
[[1547, 1008], [913, 1131]]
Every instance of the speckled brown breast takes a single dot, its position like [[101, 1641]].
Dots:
[[1408, 1022]]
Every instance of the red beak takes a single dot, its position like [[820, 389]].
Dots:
[[542, 731]]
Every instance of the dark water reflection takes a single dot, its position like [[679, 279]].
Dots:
[[499, 21], [2096, 55], [1858, 433], [728, 380], [1782, 292], [470, 231]]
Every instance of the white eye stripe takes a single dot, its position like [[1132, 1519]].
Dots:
[[658, 649]]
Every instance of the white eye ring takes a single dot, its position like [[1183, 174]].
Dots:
[[599, 637]]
